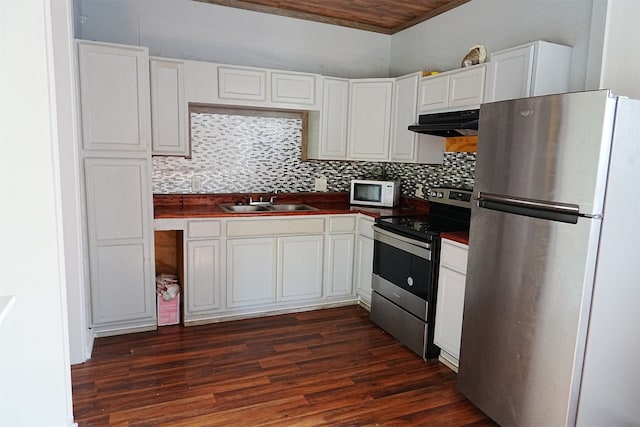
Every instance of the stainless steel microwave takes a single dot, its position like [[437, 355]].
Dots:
[[375, 193]]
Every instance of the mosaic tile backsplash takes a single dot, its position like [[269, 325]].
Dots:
[[232, 154]]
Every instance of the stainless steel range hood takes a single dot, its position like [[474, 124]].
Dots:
[[449, 124]]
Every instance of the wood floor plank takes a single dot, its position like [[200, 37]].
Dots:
[[325, 367]]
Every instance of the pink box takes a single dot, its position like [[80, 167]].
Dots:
[[168, 311]]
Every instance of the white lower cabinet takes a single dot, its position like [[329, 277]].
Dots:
[[120, 244], [246, 266], [450, 301], [339, 255], [267, 270], [202, 276], [300, 260], [203, 268], [274, 260], [364, 259], [251, 271]]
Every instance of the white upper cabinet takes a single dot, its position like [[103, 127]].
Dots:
[[114, 94], [201, 82], [242, 84], [466, 88], [370, 118], [453, 90], [267, 88], [404, 113], [294, 89], [169, 111], [534, 69], [332, 128], [434, 92]]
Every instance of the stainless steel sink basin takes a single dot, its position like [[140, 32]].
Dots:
[[292, 207], [266, 208], [244, 208]]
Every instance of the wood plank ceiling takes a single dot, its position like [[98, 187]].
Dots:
[[380, 16]]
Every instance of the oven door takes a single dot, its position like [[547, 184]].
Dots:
[[404, 261]]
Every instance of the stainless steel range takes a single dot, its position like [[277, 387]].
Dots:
[[405, 268]]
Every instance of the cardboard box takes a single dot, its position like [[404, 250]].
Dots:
[[169, 311]]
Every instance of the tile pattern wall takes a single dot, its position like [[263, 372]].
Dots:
[[262, 154]]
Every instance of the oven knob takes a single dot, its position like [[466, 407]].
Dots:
[[440, 194], [410, 281], [433, 194]]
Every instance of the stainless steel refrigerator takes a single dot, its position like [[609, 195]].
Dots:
[[551, 327]]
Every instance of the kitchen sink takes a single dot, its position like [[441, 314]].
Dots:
[[267, 208], [291, 207], [244, 208]]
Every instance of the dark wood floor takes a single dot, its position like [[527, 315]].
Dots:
[[326, 367]]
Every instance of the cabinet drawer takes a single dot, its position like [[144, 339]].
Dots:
[[168, 224], [202, 229], [342, 223], [454, 256], [365, 226], [275, 227]]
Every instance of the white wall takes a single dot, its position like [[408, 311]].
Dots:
[[195, 30], [35, 378], [621, 54], [441, 42]]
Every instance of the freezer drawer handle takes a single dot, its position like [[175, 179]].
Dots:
[[561, 212]]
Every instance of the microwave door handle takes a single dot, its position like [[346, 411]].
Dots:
[[554, 211]]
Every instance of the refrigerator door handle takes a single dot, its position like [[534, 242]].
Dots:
[[554, 211]]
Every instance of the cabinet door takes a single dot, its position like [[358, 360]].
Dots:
[[201, 82], [339, 253], [335, 111], [449, 309], [114, 97], [242, 84], [370, 119], [120, 235], [510, 74], [295, 89], [168, 108], [434, 93], [364, 267], [405, 105], [466, 88], [251, 271], [300, 261], [202, 291]]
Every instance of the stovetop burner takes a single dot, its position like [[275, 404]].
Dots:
[[450, 211], [424, 227]]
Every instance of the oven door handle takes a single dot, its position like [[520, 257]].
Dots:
[[415, 247]]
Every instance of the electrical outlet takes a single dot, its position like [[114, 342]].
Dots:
[[196, 184], [321, 184]]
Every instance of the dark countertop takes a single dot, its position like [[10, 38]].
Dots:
[[207, 205], [456, 236]]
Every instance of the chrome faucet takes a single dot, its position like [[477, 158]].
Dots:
[[274, 197]]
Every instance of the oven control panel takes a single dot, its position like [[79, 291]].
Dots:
[[451, 196]]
